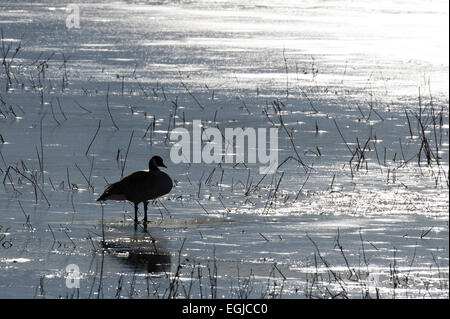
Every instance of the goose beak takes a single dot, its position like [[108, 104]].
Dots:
[[163, 165]]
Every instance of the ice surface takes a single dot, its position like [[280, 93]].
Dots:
[[362, 218]]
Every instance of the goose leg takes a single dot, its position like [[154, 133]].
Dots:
[[145, 212], [135, 213]]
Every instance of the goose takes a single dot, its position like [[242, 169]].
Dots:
[[140, 186]]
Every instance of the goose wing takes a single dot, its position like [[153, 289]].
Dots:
[[139, 186], [113, 191]]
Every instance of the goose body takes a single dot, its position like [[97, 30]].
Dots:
[[140, 186]]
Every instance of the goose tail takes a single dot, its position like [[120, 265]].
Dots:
[[102, 198], [113, 191]]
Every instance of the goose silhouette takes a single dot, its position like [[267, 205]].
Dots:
[[140, 186]]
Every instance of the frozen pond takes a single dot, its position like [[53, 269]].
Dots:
[[358, 207]]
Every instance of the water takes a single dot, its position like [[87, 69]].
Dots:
[[373, 226]]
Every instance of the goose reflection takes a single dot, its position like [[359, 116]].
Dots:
[[141, 251]]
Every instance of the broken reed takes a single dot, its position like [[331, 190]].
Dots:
[[358, 155], [7, 62], [33, 179], [109, 110]]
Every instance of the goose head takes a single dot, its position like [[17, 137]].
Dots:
[[155, 162]]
